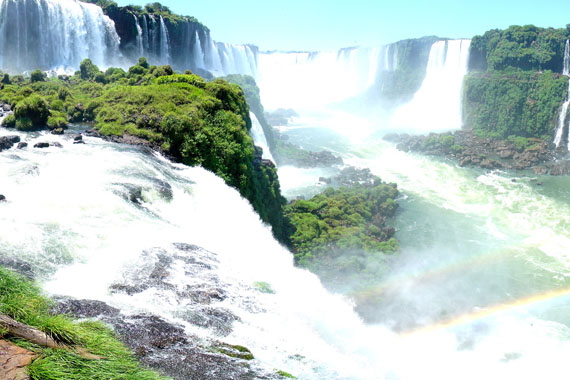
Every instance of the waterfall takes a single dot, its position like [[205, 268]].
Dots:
[[564, 110], [198, 53], [164, 43], [324, 77], [223, 59], [54, 34], [140, 45], [437, 104], [84, 235], [259, 137], [145, 32]]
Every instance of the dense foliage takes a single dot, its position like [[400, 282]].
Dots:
[[22, 300], [251, 91], [196, 122], [527, 48], [524, 104], [346, 219]]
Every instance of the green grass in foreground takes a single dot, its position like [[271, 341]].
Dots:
[[22, 300]]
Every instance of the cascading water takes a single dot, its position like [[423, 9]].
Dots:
[[140, 44], [164, 43], [259, 137], [145, 33], [198, 53], [564, 110], [83, 222], [54, 34], [280, 75], [437, 104]]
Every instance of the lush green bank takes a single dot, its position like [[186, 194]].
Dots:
[[514, 87], [525, 104], [194, 121], [22, 300]]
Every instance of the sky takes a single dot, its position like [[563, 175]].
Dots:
[[325, 24]]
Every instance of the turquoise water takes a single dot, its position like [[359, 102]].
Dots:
[[470, 239]]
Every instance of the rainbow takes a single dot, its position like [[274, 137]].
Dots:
[[486, 312]]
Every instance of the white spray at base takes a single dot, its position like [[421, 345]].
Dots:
[[81, 226], [298, 79], [259, 137], [564, 110], [436, 106]]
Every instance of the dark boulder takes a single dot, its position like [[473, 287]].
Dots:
[[560, 168], [41, 145], [22, 145], [8, 142]]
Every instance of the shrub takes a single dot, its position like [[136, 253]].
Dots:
[[33, 108], [88, 69], [37, 76], [24, 124], [9, 121]]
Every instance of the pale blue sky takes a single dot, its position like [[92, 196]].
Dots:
[[322, 24]]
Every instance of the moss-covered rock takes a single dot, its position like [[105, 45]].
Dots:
[[341, 220]]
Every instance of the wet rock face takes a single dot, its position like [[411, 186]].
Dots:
[[8, 142], [162, 344], [200, 301], [17, 265], [470, 150], [560, 168]]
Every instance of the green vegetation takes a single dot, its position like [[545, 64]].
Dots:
[[263, 287], [251, 91], [196, 122], [345, 219], [22, 300], [438, 141], [31, 112], [519, 48], [284, 374], [524, 104], [234, 351], [513, 89]]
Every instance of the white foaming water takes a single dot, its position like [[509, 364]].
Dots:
[[436, 106], [324, 77], [140, 41], [164, 43], [50, 34], [259, 137], [83, 228], [564, 110]]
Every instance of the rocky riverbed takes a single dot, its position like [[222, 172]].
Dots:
[[467, 149]]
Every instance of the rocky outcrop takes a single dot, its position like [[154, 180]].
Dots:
[[487, 153], [13, 361], [162, 344], [8, 142]]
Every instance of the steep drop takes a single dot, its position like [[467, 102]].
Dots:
[[54, 34], [437, 104]]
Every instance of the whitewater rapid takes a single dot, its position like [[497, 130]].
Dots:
[[82, 235]]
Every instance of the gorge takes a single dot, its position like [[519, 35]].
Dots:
[[168, 217]]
